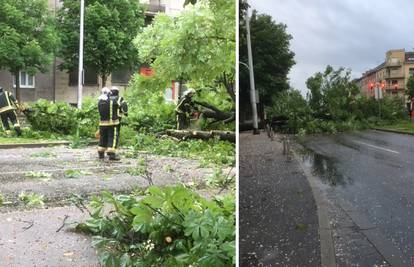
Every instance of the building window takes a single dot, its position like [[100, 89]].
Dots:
[[169, 95], [395, 60], [90, 77], [26, 80], [411, 71], [121, 76]]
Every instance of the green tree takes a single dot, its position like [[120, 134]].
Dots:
[[27, 37], [110, 27], [272, 58], [198, 45], [410, 87], [332, 93]]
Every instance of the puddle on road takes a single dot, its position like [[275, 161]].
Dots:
[[324, 168]]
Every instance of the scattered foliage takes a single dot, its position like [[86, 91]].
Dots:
[[220, 179], [31, 199], [39, 174], [211, 151], [172, 226], [76, 173], [43, 154]]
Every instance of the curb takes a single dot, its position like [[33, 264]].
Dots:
[[392, 131], [44, 144], [325, 232]]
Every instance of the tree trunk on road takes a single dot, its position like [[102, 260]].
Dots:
[[204, 135]]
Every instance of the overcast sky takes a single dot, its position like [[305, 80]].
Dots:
[[350, 33]]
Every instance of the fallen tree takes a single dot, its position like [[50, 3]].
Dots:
[[204, 135], [210, 111]]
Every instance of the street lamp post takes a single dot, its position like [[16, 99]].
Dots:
[[80, 70], [251, 72]]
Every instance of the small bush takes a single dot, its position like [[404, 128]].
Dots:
[[61, 118]]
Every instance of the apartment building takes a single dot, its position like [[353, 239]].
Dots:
[[393, 73], [57, 85]]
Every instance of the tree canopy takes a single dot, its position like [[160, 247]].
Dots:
[[198, 45], [110, 26], [272, 58], [332, 93], [27, 37], [410, 87]]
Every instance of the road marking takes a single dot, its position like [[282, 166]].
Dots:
[[378, 147]]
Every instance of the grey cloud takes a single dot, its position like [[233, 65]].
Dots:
[[352, 33]]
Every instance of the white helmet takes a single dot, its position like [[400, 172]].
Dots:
[[189, 91], [114, 88], [105, 90]]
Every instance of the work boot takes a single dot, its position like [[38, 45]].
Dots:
[[101, 154], [18, 131], [113, 156]]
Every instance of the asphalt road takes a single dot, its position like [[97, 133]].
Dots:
[[370, 176]]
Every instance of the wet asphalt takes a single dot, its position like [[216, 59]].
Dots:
[[369, 178], [277, 212]]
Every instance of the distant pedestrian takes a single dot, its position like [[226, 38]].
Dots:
[[8, 107]]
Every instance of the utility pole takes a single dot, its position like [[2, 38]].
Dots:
[[251, 72], [80, 70]]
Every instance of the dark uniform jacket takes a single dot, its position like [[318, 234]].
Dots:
[[185, 106], [123, 107], [6, 102], [109, 111]]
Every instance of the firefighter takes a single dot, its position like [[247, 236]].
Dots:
[[122, 108], [104, 93], [184, 110], [108, 126], [8, 106]]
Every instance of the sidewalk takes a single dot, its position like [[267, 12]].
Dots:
[[30, 238], [278, 214]]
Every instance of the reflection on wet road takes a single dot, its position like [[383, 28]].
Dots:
[[372, 171]]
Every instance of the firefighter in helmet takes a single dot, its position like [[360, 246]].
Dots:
[[123, 106], [108, 125], [184, 110], [8, 106]]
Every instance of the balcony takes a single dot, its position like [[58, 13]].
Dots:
[[394, 75], [393, 64], [391, 88]]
